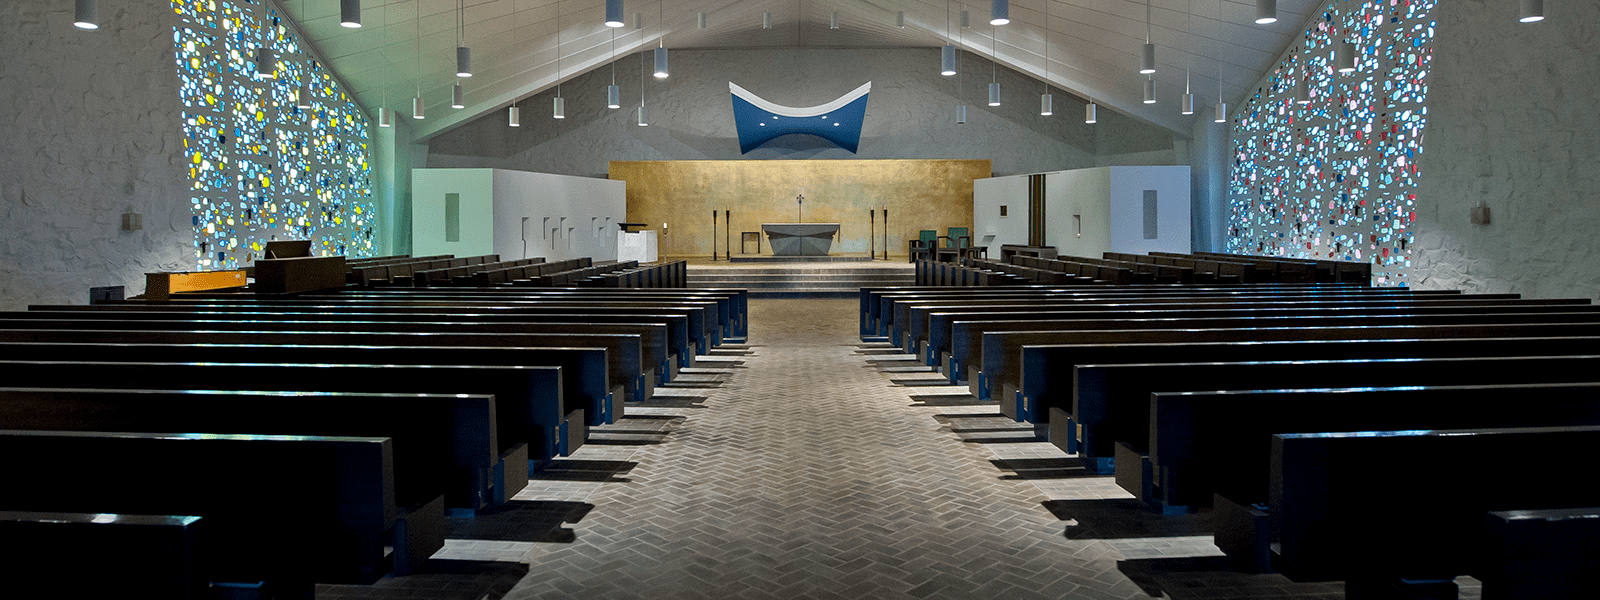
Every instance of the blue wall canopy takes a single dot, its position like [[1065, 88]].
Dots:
[[760, 121]]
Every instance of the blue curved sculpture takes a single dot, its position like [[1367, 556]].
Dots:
[[760, 121]]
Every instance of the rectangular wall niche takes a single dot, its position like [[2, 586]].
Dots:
[[452, 217], [1336, 178], [261, 168], [1150, 204]]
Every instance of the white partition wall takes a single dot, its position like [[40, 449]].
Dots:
[[1090, 211], [515, 214]]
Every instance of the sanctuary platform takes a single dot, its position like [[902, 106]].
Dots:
[[800, 276]]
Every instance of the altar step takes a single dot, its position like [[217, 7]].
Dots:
[[836, 279]]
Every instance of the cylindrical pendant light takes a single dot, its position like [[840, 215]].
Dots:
[[900, 19], [613, 96], [700, 20], [638, 21], [1302, 92], [766, 19], [961, 115], [1089, 113], [1222, 112], [994, 94], [1047, 105], [1266, 11], [350, 13], [302, 96], [416, 107], [1532, 11], [947, 60], [458, 97], [1150, 90], [1345, 57], [385, 117], [463, 61], [999, 12], [516, 116], [613, 13], [1187, 103], [661, 63], [833, 20], [1147, 59], [644, 120], [83, 16], [560, 107], [266, 64], [966, 19]]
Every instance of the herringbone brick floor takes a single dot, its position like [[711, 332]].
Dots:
[[809, 465]]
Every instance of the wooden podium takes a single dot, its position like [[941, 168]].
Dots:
[[289, 267]]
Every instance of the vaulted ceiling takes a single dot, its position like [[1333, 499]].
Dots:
[[1093, 45]]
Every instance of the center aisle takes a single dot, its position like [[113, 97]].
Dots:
[[798, 467]]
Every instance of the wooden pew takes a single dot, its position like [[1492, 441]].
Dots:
[[622, 350], [1388, 506], [651, 351], [57, 554], [583, 370], [288, 510], [1541, 553], [459, 461]]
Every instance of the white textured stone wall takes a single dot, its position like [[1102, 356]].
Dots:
[[1513, 126], [88, 131], [910, 114]]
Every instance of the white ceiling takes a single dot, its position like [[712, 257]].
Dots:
[[1094, 45]]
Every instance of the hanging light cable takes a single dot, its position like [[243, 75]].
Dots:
[[266, 60], [1186, 104], [961, 78], [1046, 101], [463, 53], [947, 53], [613, 92], [83, 16], [644, 120], [416, 102], [661, 50], [385, 114], [559, 107], [302, 96], [1147, 59], [994, 72]]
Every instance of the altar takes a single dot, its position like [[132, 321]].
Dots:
[[800, 239]]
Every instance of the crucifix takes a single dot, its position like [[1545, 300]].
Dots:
[[799, 208]]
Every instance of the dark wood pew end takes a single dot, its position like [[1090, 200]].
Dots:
[[1243, 533], [1550, 553], [1400, 589]]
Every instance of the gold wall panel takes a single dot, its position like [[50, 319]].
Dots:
[[920, 194]]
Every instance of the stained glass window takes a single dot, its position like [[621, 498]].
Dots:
[[260, 168], [1337, 178]]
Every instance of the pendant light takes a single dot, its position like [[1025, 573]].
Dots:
[[661, 50], [1089, 113], [1046, 102], [644, 120], [1186, 103], [463, 53], [947, 53], [961, 78], [833, 20], [766, 19], [559, 105], [302, 96], [1222, 107], [266, 63], [613, 13], [458, 96], [613, 92], [385, 116], [999, 12], [1302, 92], [700, 20], [350, 14], [1147, 57], [417, 111], [1266, 12], [1345, 56], [900, 19], [416, 107], [1150, 90], [83, 16], [961, 114], [515, 115], [1532, 11], [994, 72]]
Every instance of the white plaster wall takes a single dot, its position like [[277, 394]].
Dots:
[[1512, 125], [88, 131], [991, 230], [910, 114], [567, 216], [476, 188], [1085, 193], [1126, 220]]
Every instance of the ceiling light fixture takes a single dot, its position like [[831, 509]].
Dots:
[[1147, 62], [613, 92], [516, 116], [613, 13], [458, 96], [1266, 12], [1046, 102], [833, 20], [349, 13], [661, 50], [1089, 113], [1532, 11], [999, 12], [1345, 56], [83, 15], [947, 53]]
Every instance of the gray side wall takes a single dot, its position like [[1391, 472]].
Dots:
[[89, 130], [1513, 127]]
